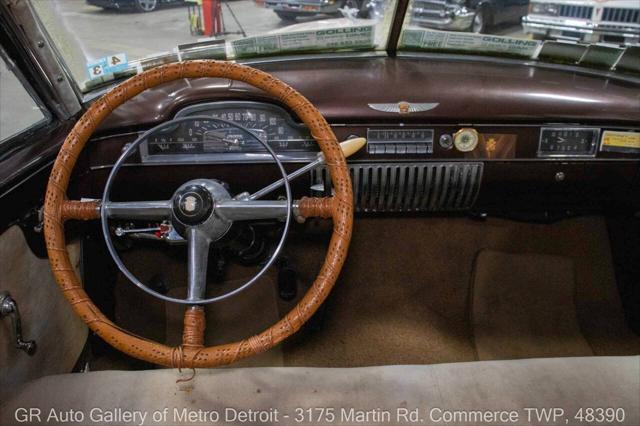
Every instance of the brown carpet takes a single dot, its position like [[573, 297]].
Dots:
[[523, 306], [233, 319], [403, 295]]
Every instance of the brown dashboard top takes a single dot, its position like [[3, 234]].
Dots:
[[466, 90]]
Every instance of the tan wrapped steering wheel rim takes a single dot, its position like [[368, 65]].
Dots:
[[192, 353]]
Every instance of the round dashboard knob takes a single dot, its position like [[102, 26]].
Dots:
[[446, 141]]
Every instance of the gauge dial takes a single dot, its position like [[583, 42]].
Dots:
[[212, 135], [269, 122], [568, 142], [202, 137], [465, 140]]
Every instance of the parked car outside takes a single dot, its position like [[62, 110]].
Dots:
[[137, 5], [467, 15], [289, 10], [591, 21]]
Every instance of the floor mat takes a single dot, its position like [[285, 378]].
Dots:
[[252, 311], [523, 306], [403, 295]]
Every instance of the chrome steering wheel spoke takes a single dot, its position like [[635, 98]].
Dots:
[[138, 210], [201, 211], [234, 210], [198, 255]]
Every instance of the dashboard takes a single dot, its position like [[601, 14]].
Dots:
[[500, 137], [211, 137]]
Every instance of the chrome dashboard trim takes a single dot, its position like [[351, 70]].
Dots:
[[436, 186], [563, 160], [225, 158]]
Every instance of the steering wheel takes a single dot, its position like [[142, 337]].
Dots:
[[204, 210]]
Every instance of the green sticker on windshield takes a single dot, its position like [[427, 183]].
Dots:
[[352, 38], [455, 41]]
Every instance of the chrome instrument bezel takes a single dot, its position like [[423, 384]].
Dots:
[[543, 154], [245, 157], [373, 144]]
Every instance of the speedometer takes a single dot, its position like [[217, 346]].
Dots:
[[203, 136], [270, 122], [212, 136]]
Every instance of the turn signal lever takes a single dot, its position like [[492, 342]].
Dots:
[[9, 307], [349, 147]]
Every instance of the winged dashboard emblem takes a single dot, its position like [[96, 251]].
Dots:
[[404, 107]]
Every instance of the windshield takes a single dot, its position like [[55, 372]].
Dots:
[[103, 39], [597, 33]]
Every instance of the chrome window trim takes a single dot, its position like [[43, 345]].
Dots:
[[46, 114], [51, 66]]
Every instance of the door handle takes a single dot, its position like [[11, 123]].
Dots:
[[9, 307]]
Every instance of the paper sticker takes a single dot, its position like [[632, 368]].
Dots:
[[354, 37], [445, 40], [107, 65], [620, 141]]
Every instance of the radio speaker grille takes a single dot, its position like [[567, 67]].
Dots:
[[409, 187]]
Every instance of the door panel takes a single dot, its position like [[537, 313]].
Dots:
[[46, 316]]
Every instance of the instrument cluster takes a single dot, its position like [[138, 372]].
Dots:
[[213, 136]]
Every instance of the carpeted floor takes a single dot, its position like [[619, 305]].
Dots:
[[233, 319], [406, 293], [523, 306]]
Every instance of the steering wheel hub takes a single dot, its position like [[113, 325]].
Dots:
[[193, 205]]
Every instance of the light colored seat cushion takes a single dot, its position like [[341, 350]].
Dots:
[[561, 383]]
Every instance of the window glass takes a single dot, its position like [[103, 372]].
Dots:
[[106, 39], [599, 33], [18, 110]]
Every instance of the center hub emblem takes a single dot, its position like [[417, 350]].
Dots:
[[192, 205]]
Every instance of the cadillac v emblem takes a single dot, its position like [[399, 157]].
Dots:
[[403, 107]]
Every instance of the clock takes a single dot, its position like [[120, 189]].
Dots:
[[568, 142]]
